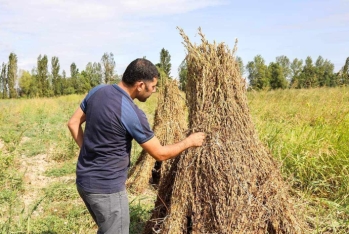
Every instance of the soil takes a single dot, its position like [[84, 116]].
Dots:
[[35, 180]]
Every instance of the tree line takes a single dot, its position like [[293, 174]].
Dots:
[[280, 74], [47, 80]]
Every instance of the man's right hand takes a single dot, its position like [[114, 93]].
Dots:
[[196, 139], [161, 153]]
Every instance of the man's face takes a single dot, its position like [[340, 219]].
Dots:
[[147, 88]]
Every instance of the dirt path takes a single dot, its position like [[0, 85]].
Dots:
[[35, 180]]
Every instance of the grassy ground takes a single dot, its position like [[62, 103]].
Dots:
[[37, 161], [306, 130]]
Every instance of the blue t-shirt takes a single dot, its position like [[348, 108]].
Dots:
[[112, 121]]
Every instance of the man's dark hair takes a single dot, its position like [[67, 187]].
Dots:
[[139, 70]]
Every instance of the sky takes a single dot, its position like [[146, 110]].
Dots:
[[82, 31]]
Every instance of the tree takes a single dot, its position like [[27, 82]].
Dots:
[[165, 62], [324, 72], [241, 65], [26, 84], [285, 64], [329, 77], [67, 87], [94, 74], [12, 75], [183, 73], [277, 77], [163, 77], [56, 79], [108, 64], [296, 69], [83, 83], [345, 73], [3, 81], [258, 73], [42, 77], [74, 71], [308, 77]]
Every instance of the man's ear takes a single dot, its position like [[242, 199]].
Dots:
[[140, 85]]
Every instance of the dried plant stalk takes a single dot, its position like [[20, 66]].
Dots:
[[169, 125], [232, 184]]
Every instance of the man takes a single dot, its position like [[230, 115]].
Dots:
[[112, 121]]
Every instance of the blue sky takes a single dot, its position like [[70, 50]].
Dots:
[[81, 31]]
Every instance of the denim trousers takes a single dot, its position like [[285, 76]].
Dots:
[[109, 211]]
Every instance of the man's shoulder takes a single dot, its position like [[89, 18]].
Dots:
[[94, 90], [129, 104]]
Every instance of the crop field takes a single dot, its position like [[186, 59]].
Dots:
[[307, 132]]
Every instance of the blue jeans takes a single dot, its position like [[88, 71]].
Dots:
[[109, 211]]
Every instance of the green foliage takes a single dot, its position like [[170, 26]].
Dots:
[[297, 75], [277, 77], [56, 78], [183, 73], [296, 69], [163, 77], [241, 65], [108, 65], [165, 62], [344, 73], [3, 81], [27, 84], [324, 72], [93, 73], [12, 75], [83, 84], [42, 83], [258, 73], [285, 66], [74, 72], [42, 77]]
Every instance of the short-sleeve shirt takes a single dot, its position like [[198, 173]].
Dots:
[[112, 122]]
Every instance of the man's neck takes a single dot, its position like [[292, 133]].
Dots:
[[129, 90]]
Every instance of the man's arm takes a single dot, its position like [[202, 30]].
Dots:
[[161, 153], [74, 125]]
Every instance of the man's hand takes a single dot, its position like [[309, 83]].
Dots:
[[161, 153], [196, 139]]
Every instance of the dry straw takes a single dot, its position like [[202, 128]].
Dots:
[[169, 126], [231, 184]]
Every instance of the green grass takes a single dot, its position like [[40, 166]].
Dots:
[[140, 212], [30, 127], [307, 131], [67, 168]]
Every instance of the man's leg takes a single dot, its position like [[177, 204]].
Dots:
[[83, 195], [111, 211]]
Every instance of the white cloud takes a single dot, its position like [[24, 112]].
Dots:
[[160, 7], [76, 31]]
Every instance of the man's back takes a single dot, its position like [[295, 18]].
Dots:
[[112, 121]]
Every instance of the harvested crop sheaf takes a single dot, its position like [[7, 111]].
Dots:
[[169, 127], [232, 184]]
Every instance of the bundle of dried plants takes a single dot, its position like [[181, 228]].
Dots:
[[232, 184], [169, 127]]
